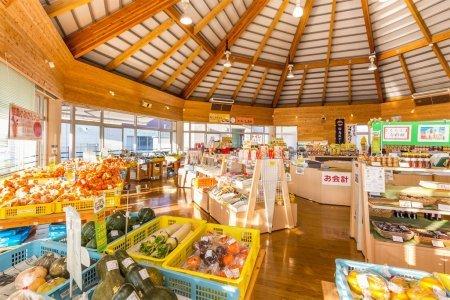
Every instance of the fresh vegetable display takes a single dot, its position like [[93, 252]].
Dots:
[[369, 284], [47, 272], [163, 241], [218, 255], [122, 278], [115, 226]]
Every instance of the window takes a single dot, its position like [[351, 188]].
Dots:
[[288, 134], [65, 141], [114, 131], [87, 114], [87, 138], [128, 139], [197, 137], [117, 118], [66, 112], [16, 155], [113, 140]]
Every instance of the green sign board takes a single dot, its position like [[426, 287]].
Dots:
[[425, 133], [100, 223]]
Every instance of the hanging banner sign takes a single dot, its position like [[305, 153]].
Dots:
[[340, 131], [336, 178], [242, 120], [219, 118], [433, 133], [24, 124], [100, 223], [397, 133]]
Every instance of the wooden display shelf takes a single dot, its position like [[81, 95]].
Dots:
[[437, 171], [47, 219], [409, 209]]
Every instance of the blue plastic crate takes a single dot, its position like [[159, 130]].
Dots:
[[39, 248], [15, 238], [344, 266], [193, 288]]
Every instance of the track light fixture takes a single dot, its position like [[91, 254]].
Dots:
[[372, 64], [298, 10], [290, 74], [185, 17], [227, 53]]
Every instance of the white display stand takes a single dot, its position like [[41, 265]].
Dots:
[[271, 175]]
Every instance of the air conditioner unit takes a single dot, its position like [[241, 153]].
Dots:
[[432, 97], [221, 104]]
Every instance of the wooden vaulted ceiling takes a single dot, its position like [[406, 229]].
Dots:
[[328, 46]]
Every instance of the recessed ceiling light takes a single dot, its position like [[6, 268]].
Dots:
[[112, 93], [413, 110], [167, 107]]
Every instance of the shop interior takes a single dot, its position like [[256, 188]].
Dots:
[[224, 149]]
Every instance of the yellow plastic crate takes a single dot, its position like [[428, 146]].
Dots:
[[141, 233], [34, 210], [247, 235], [82, 204]]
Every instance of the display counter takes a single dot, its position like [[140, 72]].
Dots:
[[324, 186], [323, 158]]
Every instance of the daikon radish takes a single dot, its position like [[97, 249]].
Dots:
[[157, 238], [172, 242]]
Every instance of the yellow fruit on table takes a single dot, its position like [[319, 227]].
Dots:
[[376, 285], [420, 293], [444, 279], [430, 283], [398, 287]]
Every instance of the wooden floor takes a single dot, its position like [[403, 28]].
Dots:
[[297, 260]]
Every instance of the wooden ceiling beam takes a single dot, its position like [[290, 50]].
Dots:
[[428, 36], [294, 45], [61, 6], [260, 85], [139, 45], [242, 81], [414, 45], [406, 73], [173, 13], [87, 39], [181, 68], [350, 97], [211, 15], [259, 63], [261, 45], [330, 44], [251, 13], [370, 40], [163, 58], [302, 86], [217, 83]]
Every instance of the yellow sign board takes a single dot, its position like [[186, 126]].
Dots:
[[219, 118]]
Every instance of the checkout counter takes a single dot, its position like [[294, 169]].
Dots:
[[329, 182]]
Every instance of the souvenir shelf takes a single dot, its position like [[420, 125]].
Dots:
[[407, 225]]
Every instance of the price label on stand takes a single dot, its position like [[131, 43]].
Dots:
[[444, 207], [100, 223], [416, 205], [404, 204], [438, 243], [397, 239]]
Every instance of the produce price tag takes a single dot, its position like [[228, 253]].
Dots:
[[376, 164], [114, 233], [398, 239], [416, 205], [144, 274], [133, 296], [136, 226], [112, 265], [127, 262], [362, 280], [404, 203], [231, 241], [100, 223], [438, 243], [445, 207]]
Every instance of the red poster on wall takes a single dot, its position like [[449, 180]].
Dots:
[[24, 124]]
